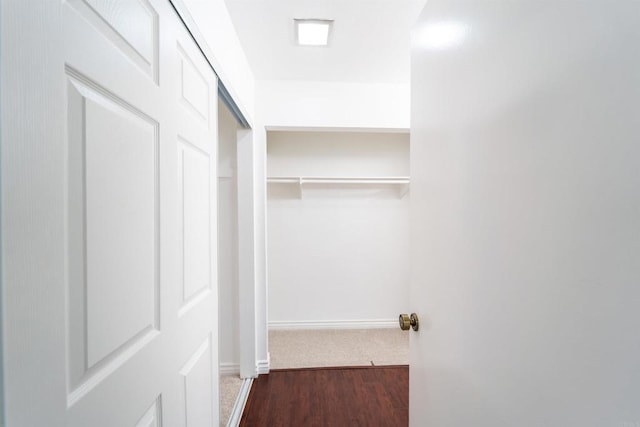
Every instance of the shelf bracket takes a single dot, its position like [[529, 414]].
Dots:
[[404, 190]]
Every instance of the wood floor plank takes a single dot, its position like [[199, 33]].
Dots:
[[349, 396]]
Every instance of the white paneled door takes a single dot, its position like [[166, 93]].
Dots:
[[108, 210], [525, 214]]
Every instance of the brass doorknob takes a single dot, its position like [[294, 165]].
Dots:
[[409, 321]]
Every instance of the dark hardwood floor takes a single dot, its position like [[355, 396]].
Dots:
[[350, 396]]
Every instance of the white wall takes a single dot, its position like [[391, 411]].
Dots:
[[338, 256], [526, 215], [291, 104], [229, 303], [337, 153]]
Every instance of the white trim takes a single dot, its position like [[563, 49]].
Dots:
[[229, 369], [334, 129], [334, 324], [247, 250], [241, 401], [262, 366]]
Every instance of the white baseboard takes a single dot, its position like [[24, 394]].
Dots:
[[241, 401], [229, 369], [262, 366], [334, 324]]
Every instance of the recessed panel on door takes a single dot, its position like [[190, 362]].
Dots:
[[195, 90], [112, 228], [197, 376], [132, 26], [196, 219], [153, 416]]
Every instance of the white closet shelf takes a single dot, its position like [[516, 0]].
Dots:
[[300, 181], [338, 180]]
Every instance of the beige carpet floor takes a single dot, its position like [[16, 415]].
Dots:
[[338, 347], [229, 389], [324, 347]]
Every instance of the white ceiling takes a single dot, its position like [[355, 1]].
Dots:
[[370, 40]]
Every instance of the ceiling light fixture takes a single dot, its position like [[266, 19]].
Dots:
[[313, 32]]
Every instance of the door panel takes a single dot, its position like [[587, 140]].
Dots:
[[524, 213], [135, 203]]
